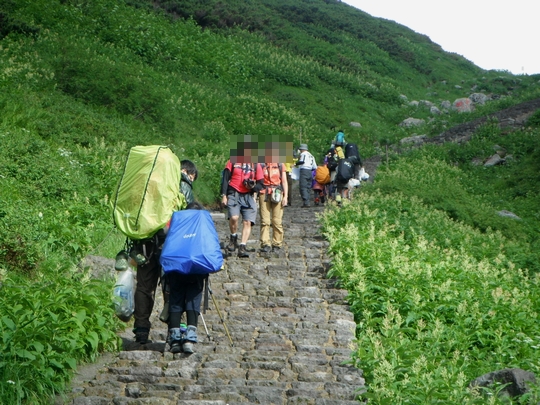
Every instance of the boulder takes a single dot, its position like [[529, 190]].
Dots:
[[446, 104], [435, 111], [494, 161], [355, 124], [508, 214], [426, 103], [412, 122], [463, 105], [478, 98], [517, 379], [415, 140]]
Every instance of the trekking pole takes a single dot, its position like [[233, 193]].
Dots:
[[205, 328], [220, 317]]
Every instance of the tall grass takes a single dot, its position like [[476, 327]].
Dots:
[[439, 299]]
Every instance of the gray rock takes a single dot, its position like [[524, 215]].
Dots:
[[446, 104], [478, 98], [426, 103], [415, 140], [494, 161], [517, 379], [463, 105], [508, 214], [412, 122], [435, 111]]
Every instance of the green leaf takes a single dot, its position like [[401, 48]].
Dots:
[[9, 323], [25, 354], [71, 362], [93, 339], [81, 315], [56, 363], [38, 346]]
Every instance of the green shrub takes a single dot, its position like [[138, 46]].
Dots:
[[534, 119], [432, 299], [60, 318]]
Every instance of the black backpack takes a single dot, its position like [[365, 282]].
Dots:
[[351, 153], [345, 170]]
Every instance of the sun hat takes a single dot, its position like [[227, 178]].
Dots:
[[303, 146]]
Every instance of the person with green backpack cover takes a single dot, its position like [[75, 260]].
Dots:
[[147, 194]]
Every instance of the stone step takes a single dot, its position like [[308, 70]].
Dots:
[[291, 329]]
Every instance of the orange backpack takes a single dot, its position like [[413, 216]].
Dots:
[[322, 175]]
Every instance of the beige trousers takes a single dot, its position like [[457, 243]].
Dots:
[[271, 216]]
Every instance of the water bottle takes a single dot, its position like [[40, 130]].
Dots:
[[124, 294]]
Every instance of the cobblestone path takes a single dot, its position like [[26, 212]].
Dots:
[[291, 330]]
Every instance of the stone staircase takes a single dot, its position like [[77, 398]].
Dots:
[[291, 330]]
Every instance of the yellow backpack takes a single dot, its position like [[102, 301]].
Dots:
[[148, 192]]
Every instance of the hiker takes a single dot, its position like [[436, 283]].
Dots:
[[352, 153], [339, 140], [185, 296], [306, 163], [161, 198], [150, 273], [189, 175], [344, 172], [240, 182], [272, 199], [334, 155], [320, 184]]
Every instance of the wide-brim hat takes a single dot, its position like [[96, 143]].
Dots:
[[303, 146]]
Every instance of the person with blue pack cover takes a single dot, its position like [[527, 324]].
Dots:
[[191, 251]]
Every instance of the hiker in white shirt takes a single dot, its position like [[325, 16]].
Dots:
[[306, 162]]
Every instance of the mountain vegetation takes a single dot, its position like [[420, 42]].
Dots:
[[84, 80]]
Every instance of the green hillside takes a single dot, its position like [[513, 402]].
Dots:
[[84, 80]]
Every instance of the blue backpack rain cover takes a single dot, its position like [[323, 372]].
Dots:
[[192, 244]]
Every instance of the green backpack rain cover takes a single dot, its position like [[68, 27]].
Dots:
[[148, 192]]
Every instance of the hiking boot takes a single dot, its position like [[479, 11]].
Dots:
[[141, 335], [242, 252], [121, 261], [276, 249], [265, 249], [175, 339], [233, 243], [176, 346], [188, 347], [305, 206]]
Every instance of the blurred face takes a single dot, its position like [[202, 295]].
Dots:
[[261, 149]]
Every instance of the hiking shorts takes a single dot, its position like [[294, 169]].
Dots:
[[242, 204]]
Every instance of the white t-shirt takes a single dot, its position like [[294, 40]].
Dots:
[[309, 161]]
